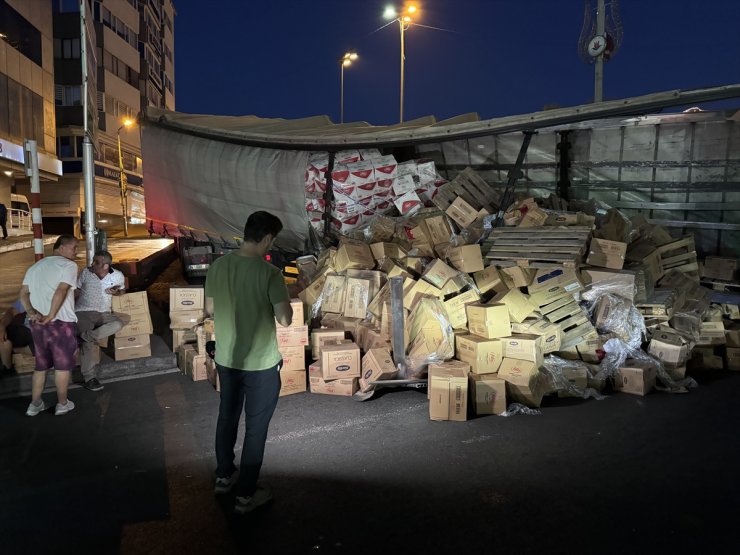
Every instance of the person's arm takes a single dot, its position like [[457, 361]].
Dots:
[[278, 294], [283, 313], [56, 302], [31, 312], [209, 307]]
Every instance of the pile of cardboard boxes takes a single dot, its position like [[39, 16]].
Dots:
[[189, 335], [133, 340], [292, 343]]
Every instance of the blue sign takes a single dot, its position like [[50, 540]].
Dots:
[[115, 175]]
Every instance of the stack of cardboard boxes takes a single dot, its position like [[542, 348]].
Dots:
[[292, 342], [187, 312], [133, 340]]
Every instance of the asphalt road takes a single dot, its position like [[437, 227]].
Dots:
[[130, 471]]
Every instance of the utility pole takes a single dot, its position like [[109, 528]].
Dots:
[[88, 170], [599, 64]]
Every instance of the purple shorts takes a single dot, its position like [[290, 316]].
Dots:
[[56, 345]]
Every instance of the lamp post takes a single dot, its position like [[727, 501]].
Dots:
[[122, 178], [344, 61], [405, 21]]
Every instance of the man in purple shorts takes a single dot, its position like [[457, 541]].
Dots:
[[48, 297]]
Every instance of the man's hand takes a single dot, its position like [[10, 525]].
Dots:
[[35, 317], [115, 290]]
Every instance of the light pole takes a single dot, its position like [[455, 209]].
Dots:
[[405, 21], [344, 61], [122, 177]]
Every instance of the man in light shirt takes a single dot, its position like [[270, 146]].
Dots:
[[95, 287], [47, 295]]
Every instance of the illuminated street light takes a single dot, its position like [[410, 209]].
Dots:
[[344, 61], [405, 20], [122, 177]]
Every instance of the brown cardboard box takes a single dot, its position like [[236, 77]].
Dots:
[[483, 355], [732, 358], [523, 346], [353, 255], [516, 302], [130, 303], [635, 378], [621, 282], [344, 387], [577, 377], [209, 326], [524, 382], [535, 217], [717, 267], [195, 366], [549, 332], [292, 381], [489, 279], [456, 308], [551, 284], [376, 340], [668, 347], [340, 361], [298, 315], [311, 294], [181, 337], [181, 355], [467, 258], [732, 335], [462, 213], [448, 392], [438, 229], [589, 350], [711, 334], [516, 276], [319, 336], [488, 394], [377, 364], [392, 269], [438, 273], [24, 363], [187, 297], [489, 320], [333, 293], [607, 254], [294, 357], [185, 319], [356, 298], [132, 346], [387, 250], [292, 337]]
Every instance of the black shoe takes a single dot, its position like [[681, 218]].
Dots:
[[93, 385]]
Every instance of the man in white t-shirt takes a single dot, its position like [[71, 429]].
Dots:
[[47, 295], [95, 287]]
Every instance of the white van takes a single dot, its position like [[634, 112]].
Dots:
[[19, 216]]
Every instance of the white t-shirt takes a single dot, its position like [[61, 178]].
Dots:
[[92, 290], [42, 280]]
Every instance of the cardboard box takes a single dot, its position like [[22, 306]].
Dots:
[[483, 355], [489, 279], [577, 377], [377, 364], [717, 267], [182, 337], [607, 254], [353, 255], [448, 392], [344, 387], [132, 346], [195, 366], [340, 361], [732, 335], [550, 333], [209, 326], [438, 273], [298, 314], [186, 319], [462, 213], [139, 323], [711, 334], [332, 295], [455, 308], [591, 350], [24, 363], [732, 358], [320, 336], [438, 229], [516, 276], [130, 303], [467, 258], [356, 298], [517, 304], [524, 382], [292, 381], [668, 347], [187, 297], [311, 294], [181, 355], [620, 283], [292, 337], [523, 347], [551, 284], [488, 394], [489, 320], [635, 378], [535, 217], [294, 357], [387, 250]]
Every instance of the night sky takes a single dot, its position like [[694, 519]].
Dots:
[[279, 58]]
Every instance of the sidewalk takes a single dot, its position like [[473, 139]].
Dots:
[[17, 242]]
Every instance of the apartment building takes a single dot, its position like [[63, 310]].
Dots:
[[26, 96]]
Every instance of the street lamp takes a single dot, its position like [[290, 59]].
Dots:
[[405, 20], [122, 177], [344, 61]]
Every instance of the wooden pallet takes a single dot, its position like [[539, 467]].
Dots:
[[543, 247], [472, 188], [571, 319]]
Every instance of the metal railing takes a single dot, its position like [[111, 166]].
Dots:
[[19, 220]]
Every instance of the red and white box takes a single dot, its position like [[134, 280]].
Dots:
[[363, 191], [385, 167], [347, 224], [370, 154], [340, 177], [426, 171], [361, 172], [346, 157], [408, 204], [407, 168], [404, 184]]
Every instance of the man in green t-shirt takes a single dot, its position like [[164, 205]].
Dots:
[[246, 294]]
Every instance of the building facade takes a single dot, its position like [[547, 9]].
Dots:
[[26, 100]]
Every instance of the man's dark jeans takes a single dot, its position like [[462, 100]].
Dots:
[[258, 392]]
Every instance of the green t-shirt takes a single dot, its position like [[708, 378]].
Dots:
[[244, 290]]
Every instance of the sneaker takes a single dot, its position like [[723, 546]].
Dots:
[[245, 505], [225, 485], [93, 385], [64, 409], [33, 410]]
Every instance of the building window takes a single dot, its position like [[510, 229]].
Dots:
[[65, 6], [67, 49], [65, 95], [65, 148]]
